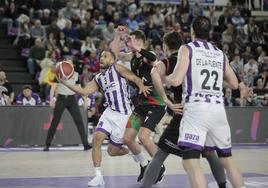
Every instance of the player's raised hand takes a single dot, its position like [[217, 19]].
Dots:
[[121, 30], [176, 108]]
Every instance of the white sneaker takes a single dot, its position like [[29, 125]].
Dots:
[[96, 182]]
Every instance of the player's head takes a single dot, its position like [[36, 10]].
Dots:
[[200, 28], [139, 36], [172, 41], [107, 58]]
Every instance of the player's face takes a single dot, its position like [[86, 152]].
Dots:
[[106, 59]]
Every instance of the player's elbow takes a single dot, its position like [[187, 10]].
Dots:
[[234, 86]]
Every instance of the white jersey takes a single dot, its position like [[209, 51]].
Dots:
[[204, 79], [115, 90]]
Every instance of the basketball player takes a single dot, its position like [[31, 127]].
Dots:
[[168, 141], [113, 82], [201, 68], [149, 109], [65, 99]]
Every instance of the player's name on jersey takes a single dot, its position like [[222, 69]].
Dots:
[[208, 62]]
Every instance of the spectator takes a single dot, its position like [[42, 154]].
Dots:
[[168, 26], [249, 28], [61, 21], [245, 12], [228, 34], [159, 52], [92, 62], [224, 19], [88, 46], [10, 15], [260, 55], [109, 33], [83, 30], [108, 15], [53, 28], [4, 99], [252, 64], [27, 97], [237, 66], [184, 7], [213, 18], [229, 100], [257, 37], [241, 39], [38, 31], [70, 31], [23, 39], [64, 45], [76, 20], [158, 18], [197, 10], [247, 55], [46, 18], [68, 11], [8, 88], [237, 20], [132, 22], [36, 55]]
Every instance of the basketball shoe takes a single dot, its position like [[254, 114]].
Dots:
[[96, 181], [161, 175]]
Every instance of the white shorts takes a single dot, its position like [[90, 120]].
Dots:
[[205, 125], [113, 124]]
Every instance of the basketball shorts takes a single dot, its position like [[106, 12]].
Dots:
[[113, 124], [205, 125], [146, 116], [169, 138]]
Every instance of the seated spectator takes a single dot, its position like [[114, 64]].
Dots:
[[237, 20], [53, 28], [38, 31], [87, 45], [158, 18], [109, 33], [8, 88], [46, 19], [238, 66], [229, 100], [61, 20], [27, 97], [4, 99], [83, 30], [36, 55], [132, 22], [224, 19], [64, 45], [257, 36], [23, 39], [249, 28], [91, 62], [251, 65], [76, 20], [50, 43], [95, 31], [228, 34], [10, 16], [70, 31], [168, 26], [260, 55], [247, 55], [241, 39], [68, 11]]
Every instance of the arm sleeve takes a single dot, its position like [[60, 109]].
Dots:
[[148, 55]]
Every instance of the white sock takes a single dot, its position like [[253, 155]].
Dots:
[[141, 159], [97, 171]]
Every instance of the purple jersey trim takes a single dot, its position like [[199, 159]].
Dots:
[[121, 92], [224, 62], [116, 101], [224, 151], [115, 144], [189, 74], [103, 130], [196, 44], [190, 145], [206, 45]]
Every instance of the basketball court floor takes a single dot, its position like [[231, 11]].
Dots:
[[72, 168]]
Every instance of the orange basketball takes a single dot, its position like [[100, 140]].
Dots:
[[64, 70]]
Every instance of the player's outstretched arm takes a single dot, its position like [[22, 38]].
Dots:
[[124, 72], [177, 76], [230, 79], [91, 87], [115, 44], [157, 73]]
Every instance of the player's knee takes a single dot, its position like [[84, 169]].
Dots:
[[97, 140], [144, 138], [127, 140], [111, 152]]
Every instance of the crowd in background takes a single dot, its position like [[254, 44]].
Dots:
[[47, 31]]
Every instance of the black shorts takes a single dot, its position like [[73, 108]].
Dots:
[[151, 115], [168, 140]]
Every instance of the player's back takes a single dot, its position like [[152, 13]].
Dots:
[[115, 90], [204, 79]]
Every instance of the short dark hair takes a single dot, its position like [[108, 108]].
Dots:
[[27, 87], [139, 34], [201, 26], [173, 40], [111, 52]]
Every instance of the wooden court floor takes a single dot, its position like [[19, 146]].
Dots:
[[73, 168]]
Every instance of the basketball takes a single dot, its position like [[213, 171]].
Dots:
[[64, 70]]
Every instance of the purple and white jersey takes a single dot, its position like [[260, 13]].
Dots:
[[32, 101], [115, 90], [204, 78]]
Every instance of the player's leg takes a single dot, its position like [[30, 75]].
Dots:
[[153, 169], [153, 117], [130, 134], [216, 168], [57, 113], [98, 138], [76, 115], [114, 150]]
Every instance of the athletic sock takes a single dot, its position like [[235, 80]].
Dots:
[[97, 171], [141, 159]]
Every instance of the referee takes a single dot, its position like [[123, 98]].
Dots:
[[65, 99]]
